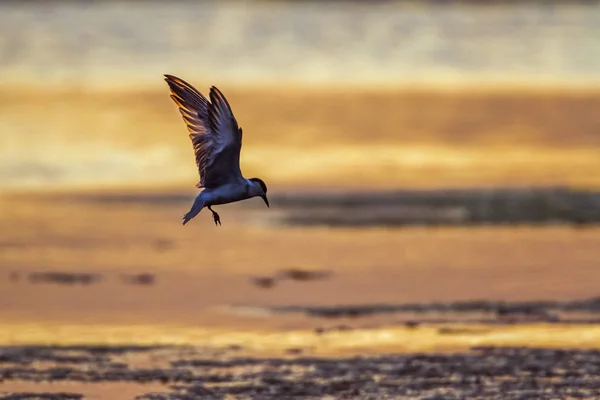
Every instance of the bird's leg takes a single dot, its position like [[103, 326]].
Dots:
[[216, 217]]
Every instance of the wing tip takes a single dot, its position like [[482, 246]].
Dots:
[[214, 89], [216, 96], [174, 81], [169, 78]]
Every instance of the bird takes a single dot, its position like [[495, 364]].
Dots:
[[217, 141]]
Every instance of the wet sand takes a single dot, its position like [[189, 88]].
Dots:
[[193, 373], [338, 312]]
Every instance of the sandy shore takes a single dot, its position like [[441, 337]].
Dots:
[[346, 313], [195, 373]]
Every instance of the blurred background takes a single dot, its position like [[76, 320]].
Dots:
[[414, 151]]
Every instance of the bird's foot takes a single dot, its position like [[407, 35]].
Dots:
[[216, 218]]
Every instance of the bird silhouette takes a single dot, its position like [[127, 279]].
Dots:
[[217, 141]]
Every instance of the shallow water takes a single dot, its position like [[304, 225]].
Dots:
[[307, 138], [199, 271]]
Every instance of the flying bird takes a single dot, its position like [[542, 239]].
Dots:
[[217, 141]]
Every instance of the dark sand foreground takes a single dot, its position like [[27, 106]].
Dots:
[[189, 373]]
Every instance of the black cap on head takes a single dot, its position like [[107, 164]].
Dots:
[[261, 183]]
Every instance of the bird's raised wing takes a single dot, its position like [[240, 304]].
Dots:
[[193, 107], [224, 165], [213, 130]]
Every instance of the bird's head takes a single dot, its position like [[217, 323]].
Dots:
[[259, 188]]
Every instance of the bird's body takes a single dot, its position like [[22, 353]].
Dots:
[[224, 194], [217, 141]]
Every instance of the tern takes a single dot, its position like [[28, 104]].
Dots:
[[217, 141]]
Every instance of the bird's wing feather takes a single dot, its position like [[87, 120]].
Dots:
[[215, 134], [224, 165], [193, 107]]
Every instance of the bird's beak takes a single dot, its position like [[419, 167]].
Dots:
[[266, 200]]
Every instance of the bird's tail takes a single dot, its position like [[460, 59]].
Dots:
[[195, 210]]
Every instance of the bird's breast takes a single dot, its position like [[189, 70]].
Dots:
[[228, 194]]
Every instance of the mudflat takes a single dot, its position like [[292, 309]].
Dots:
[[115, 299]]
